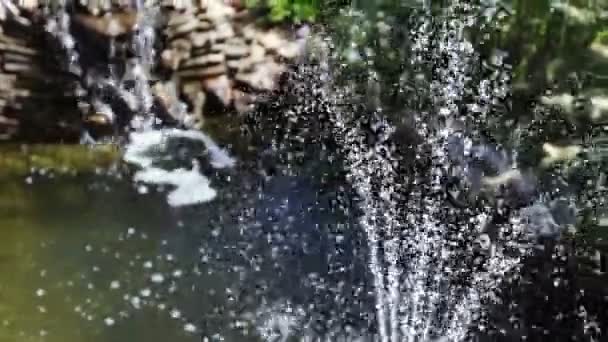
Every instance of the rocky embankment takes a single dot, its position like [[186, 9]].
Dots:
[[213, 54], [36, 97], [217, 53]]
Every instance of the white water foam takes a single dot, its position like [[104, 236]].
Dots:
[[191, 187]]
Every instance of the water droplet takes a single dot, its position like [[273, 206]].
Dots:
[[136, 302], [109, 321], [190, 328], [157, 278], [175, 314]]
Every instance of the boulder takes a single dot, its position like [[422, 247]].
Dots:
[[110, 24], [221, 87], [202, 72], [271, 40], [263, 77]]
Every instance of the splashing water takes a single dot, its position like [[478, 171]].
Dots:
[[191, 186], [429, 285], [430, 281]]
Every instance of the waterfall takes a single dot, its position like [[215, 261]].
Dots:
[[134, 88], [58, 23], [139, 69], [191, 187]]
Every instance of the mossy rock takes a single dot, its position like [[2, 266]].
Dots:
[[20, 160]]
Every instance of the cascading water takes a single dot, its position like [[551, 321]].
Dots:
[[146, 141], [58, 25], [139, 69]]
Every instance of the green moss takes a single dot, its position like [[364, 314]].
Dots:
[[601, 37], [16, 160], [295, 11]]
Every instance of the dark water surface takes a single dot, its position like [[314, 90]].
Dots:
[[97, 258]]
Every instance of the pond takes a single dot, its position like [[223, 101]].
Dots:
[[98, 257], [432, 172]]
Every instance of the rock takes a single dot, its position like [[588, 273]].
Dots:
[[177, 4], [16, 58], [29, 5], [264, 76], [203, 72], [97, 7], [217, 48], [18, 68], [221, 87], [236, 48], [249, 32], [183, 29], [180, 50], [170, 59], [233, 66], [100, 119], [223, 31], [11, 45], [204, 61], [168, 96], [243, 101], [236, 4], [197, 98], [8, 10], [111, 24], [257, 53], [271, 40], [6, 121], [205, 25], [289, 50], [177, 19], [182, 45], [217, 9], [201, 39]]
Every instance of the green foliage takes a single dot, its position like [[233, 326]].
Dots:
[[296, 11], [558, 48], [287, 10], [601, 37]]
